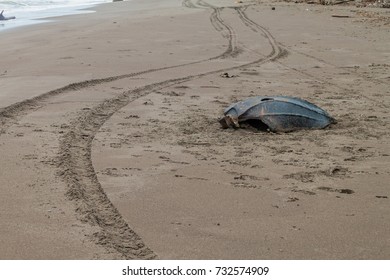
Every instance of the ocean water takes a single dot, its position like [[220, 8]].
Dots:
[[29, 11]]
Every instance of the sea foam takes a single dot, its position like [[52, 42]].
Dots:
[[28, 11]]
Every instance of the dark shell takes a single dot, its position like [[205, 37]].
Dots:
[[278, 113]]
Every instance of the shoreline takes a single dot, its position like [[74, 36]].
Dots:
[[46, 15]]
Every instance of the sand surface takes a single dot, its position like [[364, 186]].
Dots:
[[110, 146]]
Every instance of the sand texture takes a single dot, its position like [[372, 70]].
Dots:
[[110, 144]]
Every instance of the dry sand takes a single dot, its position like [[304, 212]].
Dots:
[[110, 146]]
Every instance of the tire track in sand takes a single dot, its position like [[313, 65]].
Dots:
[[276, 48], [220, 25], [10, 114], [233, 50], [96, 207], [77, 168], [74, 160]]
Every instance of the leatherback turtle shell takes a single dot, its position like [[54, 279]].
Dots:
[[278, 113]]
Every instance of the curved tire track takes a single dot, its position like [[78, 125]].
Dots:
[[77, 168], [220, 25], [232, 50], [277, 50], [10, 114], [74, 160]]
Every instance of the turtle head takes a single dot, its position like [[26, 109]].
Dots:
[[229, 121]]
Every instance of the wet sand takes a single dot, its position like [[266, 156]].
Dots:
[[110, 145]]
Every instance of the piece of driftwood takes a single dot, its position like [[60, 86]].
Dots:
[[340, 16], [342, 2], [2, 17]]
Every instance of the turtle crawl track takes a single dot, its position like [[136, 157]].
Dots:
[[74, 161]]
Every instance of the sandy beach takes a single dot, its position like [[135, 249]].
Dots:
[[110, 144]]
